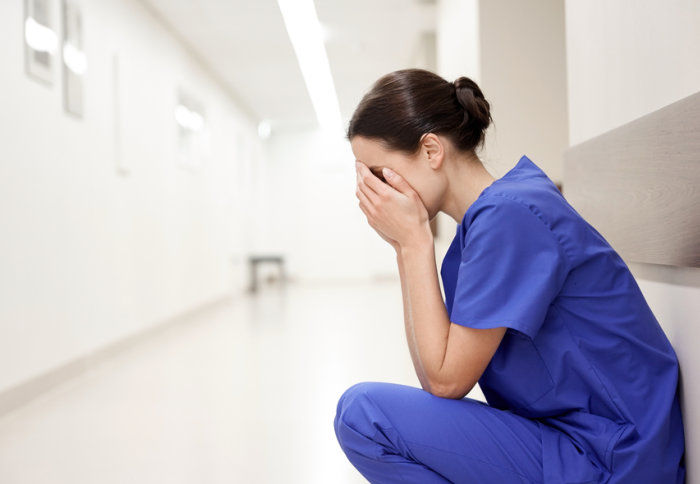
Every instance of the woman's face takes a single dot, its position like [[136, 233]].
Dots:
[[415, 169]]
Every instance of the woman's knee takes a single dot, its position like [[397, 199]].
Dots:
[[356, 414]]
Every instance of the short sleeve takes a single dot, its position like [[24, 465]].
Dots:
[[511, 269]]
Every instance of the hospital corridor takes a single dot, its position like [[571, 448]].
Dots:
[[210, 272]]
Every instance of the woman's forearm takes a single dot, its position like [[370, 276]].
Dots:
[[425, 317], [408, 325]]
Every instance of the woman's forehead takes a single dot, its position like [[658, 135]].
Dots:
[[362, 147]]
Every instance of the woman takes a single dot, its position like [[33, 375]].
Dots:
[[581, 382]]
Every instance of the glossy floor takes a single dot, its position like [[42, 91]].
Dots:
[[244, 392]]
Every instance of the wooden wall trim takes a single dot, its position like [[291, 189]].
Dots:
[[639, 185]]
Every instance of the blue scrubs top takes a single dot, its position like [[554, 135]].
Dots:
[[583, 354]]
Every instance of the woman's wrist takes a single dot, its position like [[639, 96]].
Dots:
[[422, 241]]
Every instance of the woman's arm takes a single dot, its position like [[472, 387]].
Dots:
[[448, 358], [408, 324]]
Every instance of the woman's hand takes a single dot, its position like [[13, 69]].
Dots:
[[393, 209]]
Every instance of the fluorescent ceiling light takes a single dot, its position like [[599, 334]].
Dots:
[[306, 35]]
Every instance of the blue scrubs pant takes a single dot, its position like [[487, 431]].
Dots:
[[399, 434]]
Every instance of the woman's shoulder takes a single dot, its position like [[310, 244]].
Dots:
[[525, 183], [516, 197], [526, 186], [533, 196]]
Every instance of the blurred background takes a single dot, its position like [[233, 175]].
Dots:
[[187, 284]]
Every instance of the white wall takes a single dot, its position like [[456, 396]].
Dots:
[[89, 256], [458, 45], [523, 75], [626, 59], [515, 51]]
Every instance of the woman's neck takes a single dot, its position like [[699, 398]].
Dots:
[[467, 178]]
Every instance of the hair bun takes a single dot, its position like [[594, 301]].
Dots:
[[404, 105], [477, 110]]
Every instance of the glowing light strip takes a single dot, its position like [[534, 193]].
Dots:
[[306, 36]]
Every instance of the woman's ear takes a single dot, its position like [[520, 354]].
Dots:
[[433, 148]]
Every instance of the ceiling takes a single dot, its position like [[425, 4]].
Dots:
[[245, 44]]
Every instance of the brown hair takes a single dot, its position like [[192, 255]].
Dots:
[[406, 104]]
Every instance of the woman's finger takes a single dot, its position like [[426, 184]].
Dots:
[[365, 204], [375, 188], [398, 182], [370, 195]]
